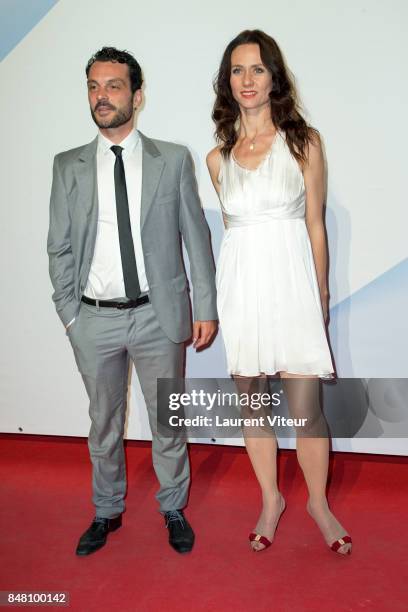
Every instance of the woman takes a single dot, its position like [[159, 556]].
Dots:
[[268, 171]]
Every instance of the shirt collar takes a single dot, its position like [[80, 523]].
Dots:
[[129, 143]]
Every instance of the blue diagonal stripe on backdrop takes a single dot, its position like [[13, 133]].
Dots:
[[17, 19]]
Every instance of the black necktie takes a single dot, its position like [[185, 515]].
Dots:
[[127, 249]]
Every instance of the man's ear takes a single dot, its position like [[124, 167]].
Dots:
[[137, 98]]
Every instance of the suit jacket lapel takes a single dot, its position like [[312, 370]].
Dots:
[[152, 169], [85, 172]]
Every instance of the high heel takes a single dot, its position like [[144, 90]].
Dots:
[[341, 542], [337, 544], [257, 537]]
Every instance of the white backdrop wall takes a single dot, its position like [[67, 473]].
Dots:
[[348, 58]]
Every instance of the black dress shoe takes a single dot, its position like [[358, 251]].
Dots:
[[95, 537], [181, 535]]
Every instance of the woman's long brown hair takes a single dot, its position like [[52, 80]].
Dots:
[[285, 108]]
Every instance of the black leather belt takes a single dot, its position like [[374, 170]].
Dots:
[[144, 299]]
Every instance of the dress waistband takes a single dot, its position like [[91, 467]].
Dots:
[[292, 210]]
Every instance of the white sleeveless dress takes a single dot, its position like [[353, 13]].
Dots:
[[268, 296]]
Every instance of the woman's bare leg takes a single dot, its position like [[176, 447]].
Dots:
[[312, 447], [261, 446]]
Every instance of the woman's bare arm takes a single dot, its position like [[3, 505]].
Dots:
[[314, 177]]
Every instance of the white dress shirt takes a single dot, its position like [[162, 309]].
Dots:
[[105, 280]]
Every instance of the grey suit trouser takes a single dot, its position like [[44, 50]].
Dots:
[[104, 340]]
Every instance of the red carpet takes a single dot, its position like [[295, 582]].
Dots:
[[45, 506]]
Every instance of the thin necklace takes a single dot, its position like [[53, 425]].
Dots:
[[253, 143]]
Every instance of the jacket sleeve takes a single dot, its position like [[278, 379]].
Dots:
[[61, 260], [196, 237]]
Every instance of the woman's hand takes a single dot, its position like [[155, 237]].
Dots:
[[203, 333]]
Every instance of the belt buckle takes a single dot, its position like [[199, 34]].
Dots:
[[121, 305]]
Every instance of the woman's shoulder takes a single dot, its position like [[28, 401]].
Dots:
[[214, 157], [314, 150], [214, 163]]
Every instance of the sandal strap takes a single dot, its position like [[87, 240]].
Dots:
[[256, 537], [340, 542]]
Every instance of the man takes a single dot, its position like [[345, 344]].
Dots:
[[118, 207]]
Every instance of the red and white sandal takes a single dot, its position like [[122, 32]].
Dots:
[[256, 537], [341, 542]]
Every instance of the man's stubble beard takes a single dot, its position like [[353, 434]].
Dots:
[[121, 117]]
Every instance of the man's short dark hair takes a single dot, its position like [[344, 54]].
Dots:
[[110, 54]]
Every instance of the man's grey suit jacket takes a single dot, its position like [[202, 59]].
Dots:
[[170, 208]]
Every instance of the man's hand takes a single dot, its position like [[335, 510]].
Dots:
[[203, 333]]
